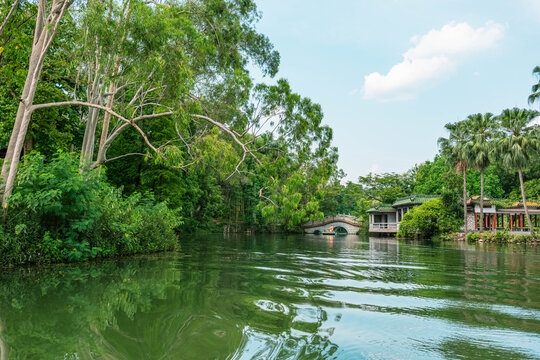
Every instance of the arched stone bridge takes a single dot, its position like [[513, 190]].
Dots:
[[347, 223]]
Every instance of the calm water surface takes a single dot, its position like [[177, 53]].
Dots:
[[282, 297]]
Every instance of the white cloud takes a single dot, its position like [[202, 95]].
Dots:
[[435, 55]]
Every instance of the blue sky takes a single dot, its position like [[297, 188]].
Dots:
[[437, 62]]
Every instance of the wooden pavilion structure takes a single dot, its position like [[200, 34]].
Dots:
[[510, 218]]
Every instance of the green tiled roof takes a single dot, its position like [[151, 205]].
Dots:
[[504, 203], [476, 199], [381, 207], [414, 199]]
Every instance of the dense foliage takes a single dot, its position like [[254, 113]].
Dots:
[[430, 219], [59, 214]]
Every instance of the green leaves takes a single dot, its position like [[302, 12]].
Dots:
[[519, 140], [535, 90], [387, 187], [428, 220], [58, 213]]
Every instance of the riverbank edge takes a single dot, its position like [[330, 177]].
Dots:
[[496, 237]]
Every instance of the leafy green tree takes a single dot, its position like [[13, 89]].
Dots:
[[428, 220], [48, 19], [386, 187], [519, 145], [532, 190], [295, 157], [344, 199], [434, 177], [456, 149], [492, 183], [154, 60], [51, 129], [167, 60]]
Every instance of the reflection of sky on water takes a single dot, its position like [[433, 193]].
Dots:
[[292, 345]]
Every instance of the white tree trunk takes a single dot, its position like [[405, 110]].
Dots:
[[93, 95], [105, 127], [45, 31]]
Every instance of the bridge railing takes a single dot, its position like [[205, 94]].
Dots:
[[384, 226], [339, 217]]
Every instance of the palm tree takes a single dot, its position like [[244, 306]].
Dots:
[[519, 144], [482, 128], [455, 149], [535, 91]]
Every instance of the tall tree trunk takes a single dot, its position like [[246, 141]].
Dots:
[[482, 200], [94, 97], [87, 152], [4, 350], [106, 121], [465, 225], [531, 227], [45, 31]]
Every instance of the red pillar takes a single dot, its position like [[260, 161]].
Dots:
[[511, 223], [475, 221]]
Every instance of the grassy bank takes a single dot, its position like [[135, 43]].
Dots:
[[499, 237]]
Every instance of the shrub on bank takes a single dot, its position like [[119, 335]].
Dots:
[[501, 237], [428, 220], [58, 214], [134, 224]]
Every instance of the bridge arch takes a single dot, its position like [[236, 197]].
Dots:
[[344, 224], [340, 229]]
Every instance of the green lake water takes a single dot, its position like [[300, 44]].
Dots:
[[280, 297]]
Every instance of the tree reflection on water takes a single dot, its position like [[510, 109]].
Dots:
[[148, 308], [278, 298]]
